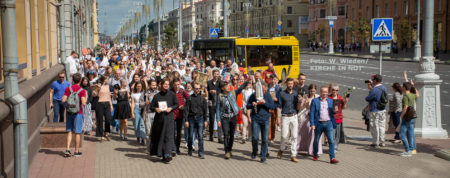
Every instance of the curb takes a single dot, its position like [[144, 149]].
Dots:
[[444, 154], [387, 58]]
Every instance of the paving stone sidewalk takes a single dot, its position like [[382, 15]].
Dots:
[[128, 159]]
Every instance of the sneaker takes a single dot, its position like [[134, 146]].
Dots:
[[413, 152], [174, 153], [406, 154], [120, 136], [280, 153], [242, 141], [397, 141], [334, 161], [294, 159], [271, 142], [315, 158], [263, 161], [67, 153], [374, 145], [77, 154], [201, 156], [167, 160], [125, 138], [382, 145]]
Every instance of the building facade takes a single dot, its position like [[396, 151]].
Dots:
[[264, 16], [38, 49]]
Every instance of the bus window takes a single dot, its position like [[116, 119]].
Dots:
[[240, 56], [278, 55]]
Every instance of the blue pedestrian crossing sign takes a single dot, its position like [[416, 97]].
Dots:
[[213, 32], [382, 29]]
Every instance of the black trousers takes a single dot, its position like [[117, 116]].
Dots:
[[212, 118], [178, 126], [103, 113], [229, 127]]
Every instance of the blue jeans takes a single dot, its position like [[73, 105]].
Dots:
[[58, 110], [139, 126], [263, 127], [196, 127], [326, 127], [114, 123], [407, 134]]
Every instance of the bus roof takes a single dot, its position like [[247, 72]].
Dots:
[[284, 40]]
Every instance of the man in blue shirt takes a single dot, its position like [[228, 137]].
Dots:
[[260, 121], [377, 115], [56, 94], [288, 106]]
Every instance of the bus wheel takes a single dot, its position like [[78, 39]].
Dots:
[[283, 75]]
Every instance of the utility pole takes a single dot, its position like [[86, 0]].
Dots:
[[331, 46], [225, 18], [180, 32], [159, 48], [247, 30], [428, 83], [417, 47]]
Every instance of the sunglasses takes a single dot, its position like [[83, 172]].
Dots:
[[61, 77], [197, 88], [334, 90]]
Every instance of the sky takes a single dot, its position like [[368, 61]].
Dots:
[[113, 11]]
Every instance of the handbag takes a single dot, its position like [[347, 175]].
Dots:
[[410, 112]]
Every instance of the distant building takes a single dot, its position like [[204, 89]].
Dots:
[[263, 17]]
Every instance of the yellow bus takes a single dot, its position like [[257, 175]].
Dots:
[[283, 52]]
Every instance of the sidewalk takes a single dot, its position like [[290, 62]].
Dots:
[[127, 159]]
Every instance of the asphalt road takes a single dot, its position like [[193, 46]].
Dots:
[[321, 70]]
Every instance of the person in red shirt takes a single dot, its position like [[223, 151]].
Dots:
[[74, 122], [268, 72], [234, 86], [339, 103], [178, 113]]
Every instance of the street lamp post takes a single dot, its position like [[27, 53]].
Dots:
[[247, 30], [428, 123], [225, 18], [331, 46], [417, 47]]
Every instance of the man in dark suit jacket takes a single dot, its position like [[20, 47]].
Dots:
[[322, 120], [213, 90]]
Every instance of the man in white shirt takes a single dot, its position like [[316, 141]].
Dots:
[[72, 62]]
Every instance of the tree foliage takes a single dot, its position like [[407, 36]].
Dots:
[[404, 32], [363, 30], [170, 33]]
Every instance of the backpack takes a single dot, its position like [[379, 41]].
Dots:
[[73, 102], [381, 104]]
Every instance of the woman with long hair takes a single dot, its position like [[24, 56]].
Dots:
[[122, 111], [87, 109], [395, 109], [137, 104], [305, 138], [103, 109]]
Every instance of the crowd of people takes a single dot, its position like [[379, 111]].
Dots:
[[168, 95]]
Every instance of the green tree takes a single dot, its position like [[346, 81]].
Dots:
[[403, 32], [363, 30], [170, 33], [352, 27], [150, 38]]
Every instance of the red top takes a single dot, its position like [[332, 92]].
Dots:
[[75, 88], [340, 103], [266, 75], [181, 95]]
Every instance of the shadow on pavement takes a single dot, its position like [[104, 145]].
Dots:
[[51, 152], [145, 156]]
